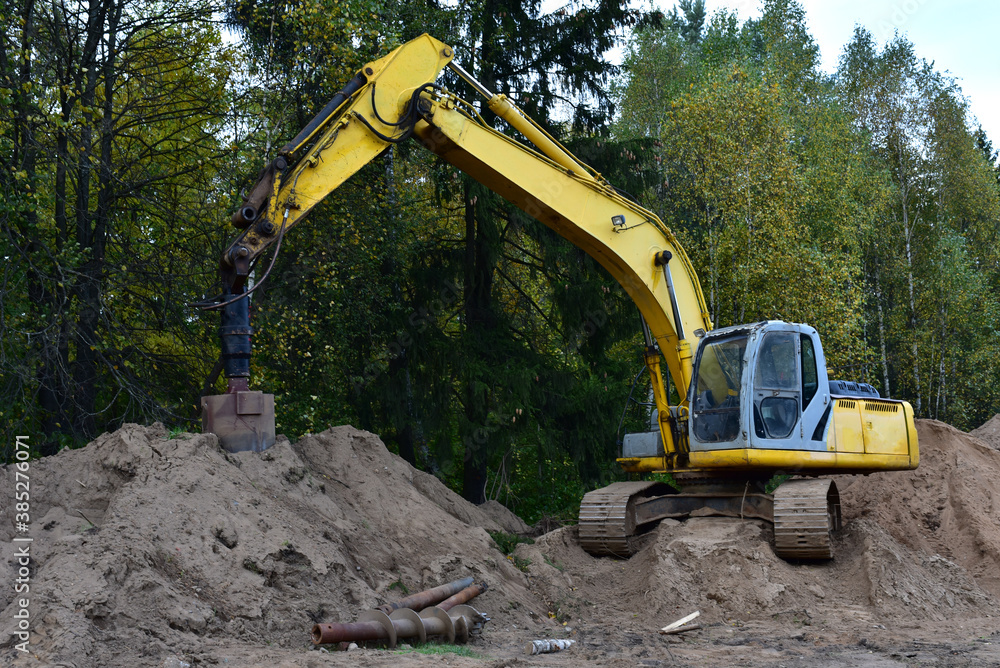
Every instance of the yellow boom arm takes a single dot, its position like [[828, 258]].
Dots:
[[394, 98]]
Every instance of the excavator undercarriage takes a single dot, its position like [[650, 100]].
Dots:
[[803, 512]]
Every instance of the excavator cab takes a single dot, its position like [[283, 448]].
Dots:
[[758, 386], [759, 404], [760, 400]]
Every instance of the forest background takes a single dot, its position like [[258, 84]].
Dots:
[[416, 304]]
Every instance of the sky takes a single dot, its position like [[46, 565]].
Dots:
[[961, 37]]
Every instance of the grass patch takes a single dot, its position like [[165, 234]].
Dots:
[[775, 482], [521, 563], [665, 478], [460, 650], [506, 542]]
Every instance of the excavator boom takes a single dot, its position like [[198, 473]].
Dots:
[[393, 99]]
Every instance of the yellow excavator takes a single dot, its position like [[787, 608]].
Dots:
[[754, 401]]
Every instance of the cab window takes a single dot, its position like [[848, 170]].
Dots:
[[777, 388], [810, 379], [715, 411]]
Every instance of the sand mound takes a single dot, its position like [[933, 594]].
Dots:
[[989, 433], [148, 548], [507, 520], [949, 506], [920, 545], [190, 544]]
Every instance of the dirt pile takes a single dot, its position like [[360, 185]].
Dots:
[[948, 508], [149, 550], [989, 432], [147, 546], [920, 545]]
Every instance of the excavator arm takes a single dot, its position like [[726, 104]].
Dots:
[[393, 99], [373, 111]]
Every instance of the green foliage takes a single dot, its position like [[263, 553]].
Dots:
[[459, 650], [107, 200], [933, 262], [775, 482], [546, 483], [666, 478], [754, 180], [554, 564], [520, 563], [859, 204], [506, 542]]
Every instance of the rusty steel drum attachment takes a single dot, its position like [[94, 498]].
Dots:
[[243, 420]]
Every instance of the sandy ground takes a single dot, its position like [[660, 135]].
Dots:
[[156, 551]]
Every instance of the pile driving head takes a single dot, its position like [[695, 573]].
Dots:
[[243, 420]]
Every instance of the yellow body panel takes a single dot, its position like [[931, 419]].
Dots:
[[788, 461], [880, 422], [866, 435], [813, 461], [846, 433]]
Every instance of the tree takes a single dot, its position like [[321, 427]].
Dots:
[[940, 249], [110, 140], [992, 156], [759, 170]]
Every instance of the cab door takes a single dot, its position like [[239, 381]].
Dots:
[[789, 391], [777, 393]]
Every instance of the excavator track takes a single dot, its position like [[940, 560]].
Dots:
[[806, 512], [607, 517]]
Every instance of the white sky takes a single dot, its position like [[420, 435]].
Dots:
[[961, 37]]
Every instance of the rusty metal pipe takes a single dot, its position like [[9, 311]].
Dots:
[[463, 596], [325, 634], [427, 598]]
